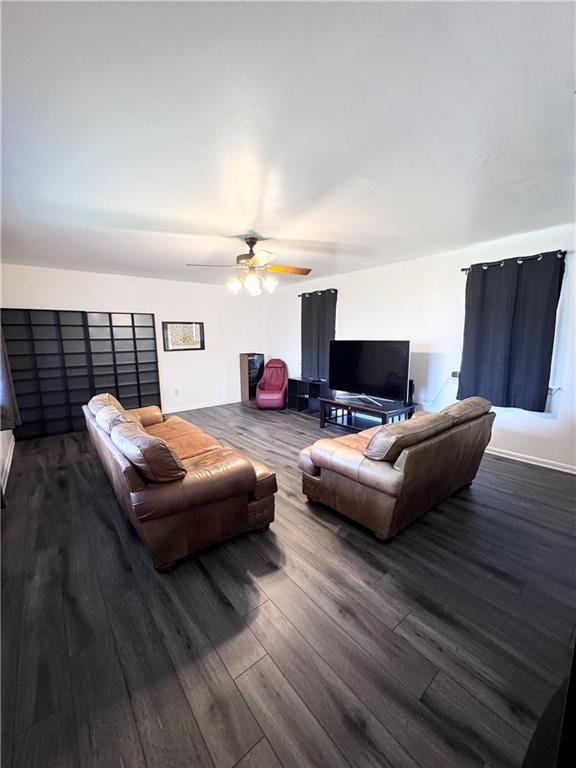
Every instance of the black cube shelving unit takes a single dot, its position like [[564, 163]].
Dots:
[[60, 359], [304, 395]]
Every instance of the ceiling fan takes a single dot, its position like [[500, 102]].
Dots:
[[252, 265]]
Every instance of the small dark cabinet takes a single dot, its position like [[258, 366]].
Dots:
[[304, 395], [251, 370]]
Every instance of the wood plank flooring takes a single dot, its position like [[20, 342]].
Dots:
[[311, 645]]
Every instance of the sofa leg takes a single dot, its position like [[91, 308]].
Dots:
[[263, 529], [382, 538]]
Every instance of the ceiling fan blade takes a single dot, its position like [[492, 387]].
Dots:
[[283, 270], [262, 258]]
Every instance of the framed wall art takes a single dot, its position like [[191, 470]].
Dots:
[[181, 337]]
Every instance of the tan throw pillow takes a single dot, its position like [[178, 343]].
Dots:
[[468, 409], [150, 455], [109, 416], [391, 439], [103, 400]]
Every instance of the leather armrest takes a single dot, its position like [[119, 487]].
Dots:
[[217, 474], [347, 461], [148, 415], [305, 462]]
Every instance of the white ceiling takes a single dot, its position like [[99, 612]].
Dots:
[[390, 130]]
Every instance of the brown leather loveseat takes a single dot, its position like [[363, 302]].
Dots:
[[386, 477], [181, 488]]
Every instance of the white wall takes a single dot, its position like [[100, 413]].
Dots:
[[233, 324], [6, 451], [423, 300]]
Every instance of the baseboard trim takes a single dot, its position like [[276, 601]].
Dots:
[[558, 465], [7, 463], [196, 406]]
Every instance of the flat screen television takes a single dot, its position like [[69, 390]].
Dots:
[[376, 368]]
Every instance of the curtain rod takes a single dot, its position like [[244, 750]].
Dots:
[[537, 257], [326, 290]]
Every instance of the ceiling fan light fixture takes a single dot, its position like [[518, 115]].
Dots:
[[253, 284], [234, 284], [252, 265], [269, 283]]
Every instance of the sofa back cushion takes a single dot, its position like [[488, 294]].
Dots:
[[149, 454], [101, 401], [122, 473], [391, 439], [108, 416], [468, 409]]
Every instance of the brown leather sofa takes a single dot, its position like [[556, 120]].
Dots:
[[181, 488], [386, 477]]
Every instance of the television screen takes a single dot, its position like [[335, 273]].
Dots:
[[376, 368]]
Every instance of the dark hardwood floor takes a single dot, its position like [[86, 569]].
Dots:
[[311, 645]]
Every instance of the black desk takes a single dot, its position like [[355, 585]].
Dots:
[[348, 412]]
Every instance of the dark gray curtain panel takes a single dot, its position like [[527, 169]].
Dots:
[[318, 330], [509, 330]]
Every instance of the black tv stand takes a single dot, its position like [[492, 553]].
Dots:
[[367, 399], [349, 412]]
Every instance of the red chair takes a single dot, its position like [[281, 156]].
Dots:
[[271, 389]]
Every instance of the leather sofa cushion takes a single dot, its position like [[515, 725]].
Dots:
[[358, 440], [214, 476], [368, 433], [101, 401], [184, 439], [147, 415], [109, 416], [391, 439], [468, 409], [122, 473], [350, 462], [149, 454]]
